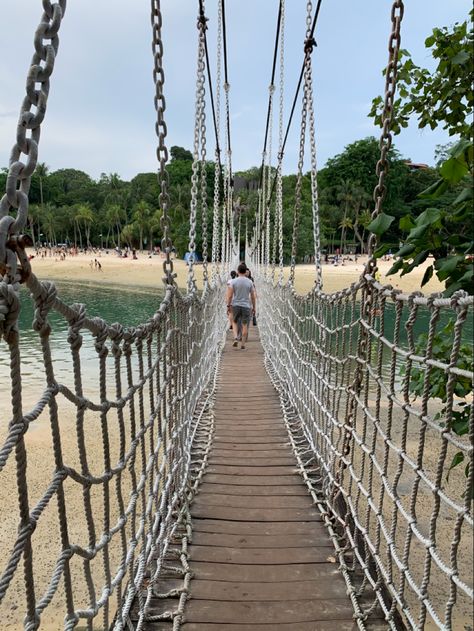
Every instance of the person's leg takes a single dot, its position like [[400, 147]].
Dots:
[[245, 326], [235, 326]]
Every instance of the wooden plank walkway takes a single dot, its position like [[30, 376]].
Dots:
[[261, 558]]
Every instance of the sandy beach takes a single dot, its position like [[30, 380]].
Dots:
[[143, 272], [148, 272]]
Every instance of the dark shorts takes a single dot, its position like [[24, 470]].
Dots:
[[242, 314]]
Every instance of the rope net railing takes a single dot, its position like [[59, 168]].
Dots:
[[113, 498], [355, 370]]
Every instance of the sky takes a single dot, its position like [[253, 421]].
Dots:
[[100, 116]]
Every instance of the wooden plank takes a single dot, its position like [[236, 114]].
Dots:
[[243, 501], [255, 612], [237, 434], [287, 590], [241, 471], [295, 528], [235, 489], [251, 455], [260, 556], [323, 625], [201, 511], [316, 538], [255, 480], [265, 573], [264, 445], [251, 461], [236, 439]]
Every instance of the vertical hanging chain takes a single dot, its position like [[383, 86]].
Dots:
[[19, 174], [199, 113], [299, 178], [202, 132], [162, 150], [279, 182], [385, 142], [217, 171], [266, 198], [308, 88]]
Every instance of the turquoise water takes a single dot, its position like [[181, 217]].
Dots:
[[117, 304]]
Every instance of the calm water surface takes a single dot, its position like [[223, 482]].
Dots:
[[128, 306]]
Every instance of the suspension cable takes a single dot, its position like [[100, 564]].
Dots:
[[308, 39]]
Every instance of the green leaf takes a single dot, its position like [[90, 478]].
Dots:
[[464, 196], [381, 250], [396, 267], [461, 57], [428, 217], [380, 224], [435, 190], [406, 249], [458, 458], [454, 169], [406, 223], [427, 275], [418, 232], [448, 264]]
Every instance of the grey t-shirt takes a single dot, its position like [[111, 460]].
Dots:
[[242, 289]]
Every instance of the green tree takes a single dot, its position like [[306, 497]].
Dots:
[[141, 216], [85, 216], [442, 97]]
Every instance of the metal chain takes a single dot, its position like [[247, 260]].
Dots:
[[162, 150], [279, 182], [386, 137], [202, 132], [299, 178], [199, 113], [308, 88], [19, 174], [217, 170]]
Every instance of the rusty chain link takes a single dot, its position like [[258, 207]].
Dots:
[[162, 150]]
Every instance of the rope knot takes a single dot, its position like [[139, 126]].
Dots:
[[44, 300], [101, 337], [75, 325]]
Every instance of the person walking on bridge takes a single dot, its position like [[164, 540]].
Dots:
[[241, 299]]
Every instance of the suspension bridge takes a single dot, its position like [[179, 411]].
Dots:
[[313, 496]]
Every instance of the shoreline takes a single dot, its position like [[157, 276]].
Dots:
[[145, 273]]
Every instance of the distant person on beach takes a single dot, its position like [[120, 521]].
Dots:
[[241, 300]]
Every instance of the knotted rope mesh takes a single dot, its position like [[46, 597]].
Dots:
[[376, 445], [119, 457]]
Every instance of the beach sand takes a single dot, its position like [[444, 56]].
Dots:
[[148, 272], [144, 272]]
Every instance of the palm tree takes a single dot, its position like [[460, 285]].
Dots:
[[345, 224], [141, 215], [154, 226], [42, 172], [34, 214], [49, 223], [345, 193], [116, 216], [85, 215]]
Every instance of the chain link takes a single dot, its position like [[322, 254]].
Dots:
[[385, 142], [19, 173], [162, 150], [217, 170], [197, 164], [299, 178], [308, 88], [279, 182]]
